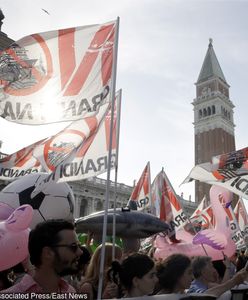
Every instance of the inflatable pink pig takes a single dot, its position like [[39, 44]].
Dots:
[[14, 233], [5, 211]]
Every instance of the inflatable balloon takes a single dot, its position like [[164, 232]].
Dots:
[[5, 211], [225, 196], [14, 234], [129, 223], [56, 202], [217, 237], [212, 242]]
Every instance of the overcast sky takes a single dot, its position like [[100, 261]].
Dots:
[[162, 45]]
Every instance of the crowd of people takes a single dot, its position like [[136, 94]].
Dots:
[[58, 263]]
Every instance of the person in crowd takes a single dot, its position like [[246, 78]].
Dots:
[[5, 281], [136, 275], [205, 276], [54, 251], [19, 272], [246, 253], [241, 260], [233, 264], [90, 284], [130, 246], [174, 274], [76, 279], [223, 270]]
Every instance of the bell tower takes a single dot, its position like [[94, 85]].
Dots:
[[213, 116]]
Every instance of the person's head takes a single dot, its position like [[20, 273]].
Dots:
[[85, 256], [234, 257], [130, 245], [83, 261], [220, 268], [54, 243], [93, 268], [136, 274], [175, 273], [203, 269]]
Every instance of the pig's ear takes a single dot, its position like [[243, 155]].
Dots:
[[20, 219], [5, 211]]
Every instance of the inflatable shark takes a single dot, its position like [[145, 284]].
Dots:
[[129, 223]]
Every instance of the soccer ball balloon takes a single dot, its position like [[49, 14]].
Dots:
[[56, 202]]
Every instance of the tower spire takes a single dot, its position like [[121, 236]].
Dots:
[[211, 67]]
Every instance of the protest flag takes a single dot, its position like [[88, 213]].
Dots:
[[229, 171], [140, 198], [60, 75]]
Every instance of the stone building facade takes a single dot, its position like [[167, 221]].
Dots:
[[90, 195]]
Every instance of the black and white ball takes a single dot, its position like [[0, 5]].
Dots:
[[55, 202]]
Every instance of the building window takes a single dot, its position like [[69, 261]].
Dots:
[[209, 111], [200, 114], [213, 109], [99, 205], [204, 112], [83, 206]]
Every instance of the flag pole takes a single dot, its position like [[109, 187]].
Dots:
[[150, 186], [118, 118], [245, 212], [204, 249], [146, 209], [105, 219]]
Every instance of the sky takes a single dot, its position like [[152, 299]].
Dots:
[[162, 45]]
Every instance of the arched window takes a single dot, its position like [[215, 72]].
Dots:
[[83, 206], [99, 205], [213, 109], [200, 114], [204, 112], [209, 111]]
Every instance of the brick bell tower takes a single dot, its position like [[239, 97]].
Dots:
[[213, 116]]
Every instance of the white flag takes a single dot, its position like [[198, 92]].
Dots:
[[242, 221], [92, 158], [141, 194], [229, 171], [167, 204], [20, 163], [58, 75], [202, 217], [78, 152]]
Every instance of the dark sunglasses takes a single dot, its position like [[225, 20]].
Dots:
[[73, 247]]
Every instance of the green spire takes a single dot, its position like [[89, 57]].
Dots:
[[211, 66]]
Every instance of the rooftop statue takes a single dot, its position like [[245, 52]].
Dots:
[[1, 19]]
